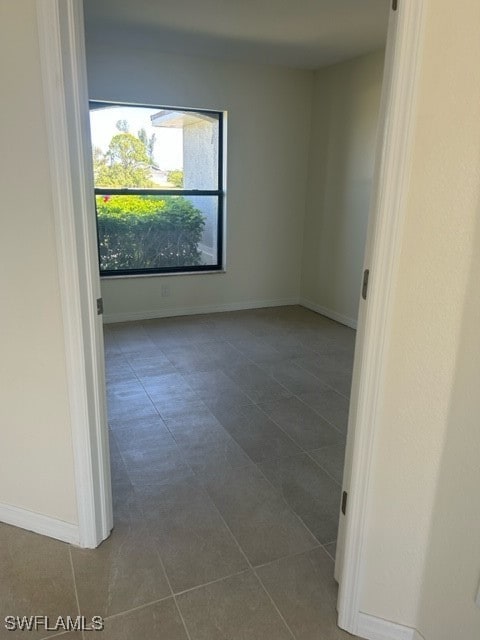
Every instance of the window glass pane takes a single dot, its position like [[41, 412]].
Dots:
[[156, 232], [143, 147]]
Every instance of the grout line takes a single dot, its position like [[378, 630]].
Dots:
[[274, 605], [323, 469], [290, 555], [279, 494], [74, 581], [207, 584], [328, 552], [139, 608], [299, 364], [187, 632]]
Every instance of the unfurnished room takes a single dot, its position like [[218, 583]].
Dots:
[[234, 407]]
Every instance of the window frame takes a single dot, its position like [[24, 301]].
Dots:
[[219, 193]]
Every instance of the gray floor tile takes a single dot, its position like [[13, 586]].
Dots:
[[123, 573], [159, 621], [109, 342], [193, 541], [36, 578], [258, 350], [264, 525], [166, 386], [205, 357], [141, 434], [117, 369], [169, 402], [330, 374], [261, 438], [330, 405], [305, 592], [256, 383], [152, 364], [155, 459], [301, 423], [229, 400], [309, 491], [236, 608], [128, 401], [217, 390], [180, 408], [332, 460], [338, 354], [294, 378], [215, 456], [203, 441], [188, 359], [223, 353], [211, 382], [142, 425], [132, 338]]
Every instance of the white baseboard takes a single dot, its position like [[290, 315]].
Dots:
[[373, 628], [45, 525], [129, 316], [333, 315]]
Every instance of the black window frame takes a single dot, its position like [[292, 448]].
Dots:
[[219, 193]]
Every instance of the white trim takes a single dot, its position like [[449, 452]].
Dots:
[[130, 316], [65, 95], [373, 628], [39, 523], [390, 188], [328, 313]]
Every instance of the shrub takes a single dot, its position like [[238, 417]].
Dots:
[[148, 232]]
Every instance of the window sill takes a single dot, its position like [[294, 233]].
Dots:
[[163, 275]]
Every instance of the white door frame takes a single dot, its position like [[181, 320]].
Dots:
[[62, 53], [64, 79], [385, 230]]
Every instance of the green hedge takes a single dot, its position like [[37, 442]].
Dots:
[[147, 232]]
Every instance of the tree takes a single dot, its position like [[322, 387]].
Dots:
[[149, 144], [125, 164], [122, 125], [175, 177]]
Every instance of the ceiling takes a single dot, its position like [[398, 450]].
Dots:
[[295, 33]]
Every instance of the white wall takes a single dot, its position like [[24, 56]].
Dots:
[[342, 150], [423, 556], [267, 130], [36, 469]]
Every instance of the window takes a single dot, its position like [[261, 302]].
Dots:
[[158, 188]]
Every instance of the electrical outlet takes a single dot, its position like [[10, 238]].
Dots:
[[165, 290]]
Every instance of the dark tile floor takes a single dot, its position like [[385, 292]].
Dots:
[[227, 444]]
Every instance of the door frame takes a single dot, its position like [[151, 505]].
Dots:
[[393, 162], [62, 55], [64, 80]]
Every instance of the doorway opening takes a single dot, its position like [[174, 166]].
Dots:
[[224, 393]]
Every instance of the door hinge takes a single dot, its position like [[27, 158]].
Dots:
[[99, 306], [394, 5], [366, 275], [344, 502]]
